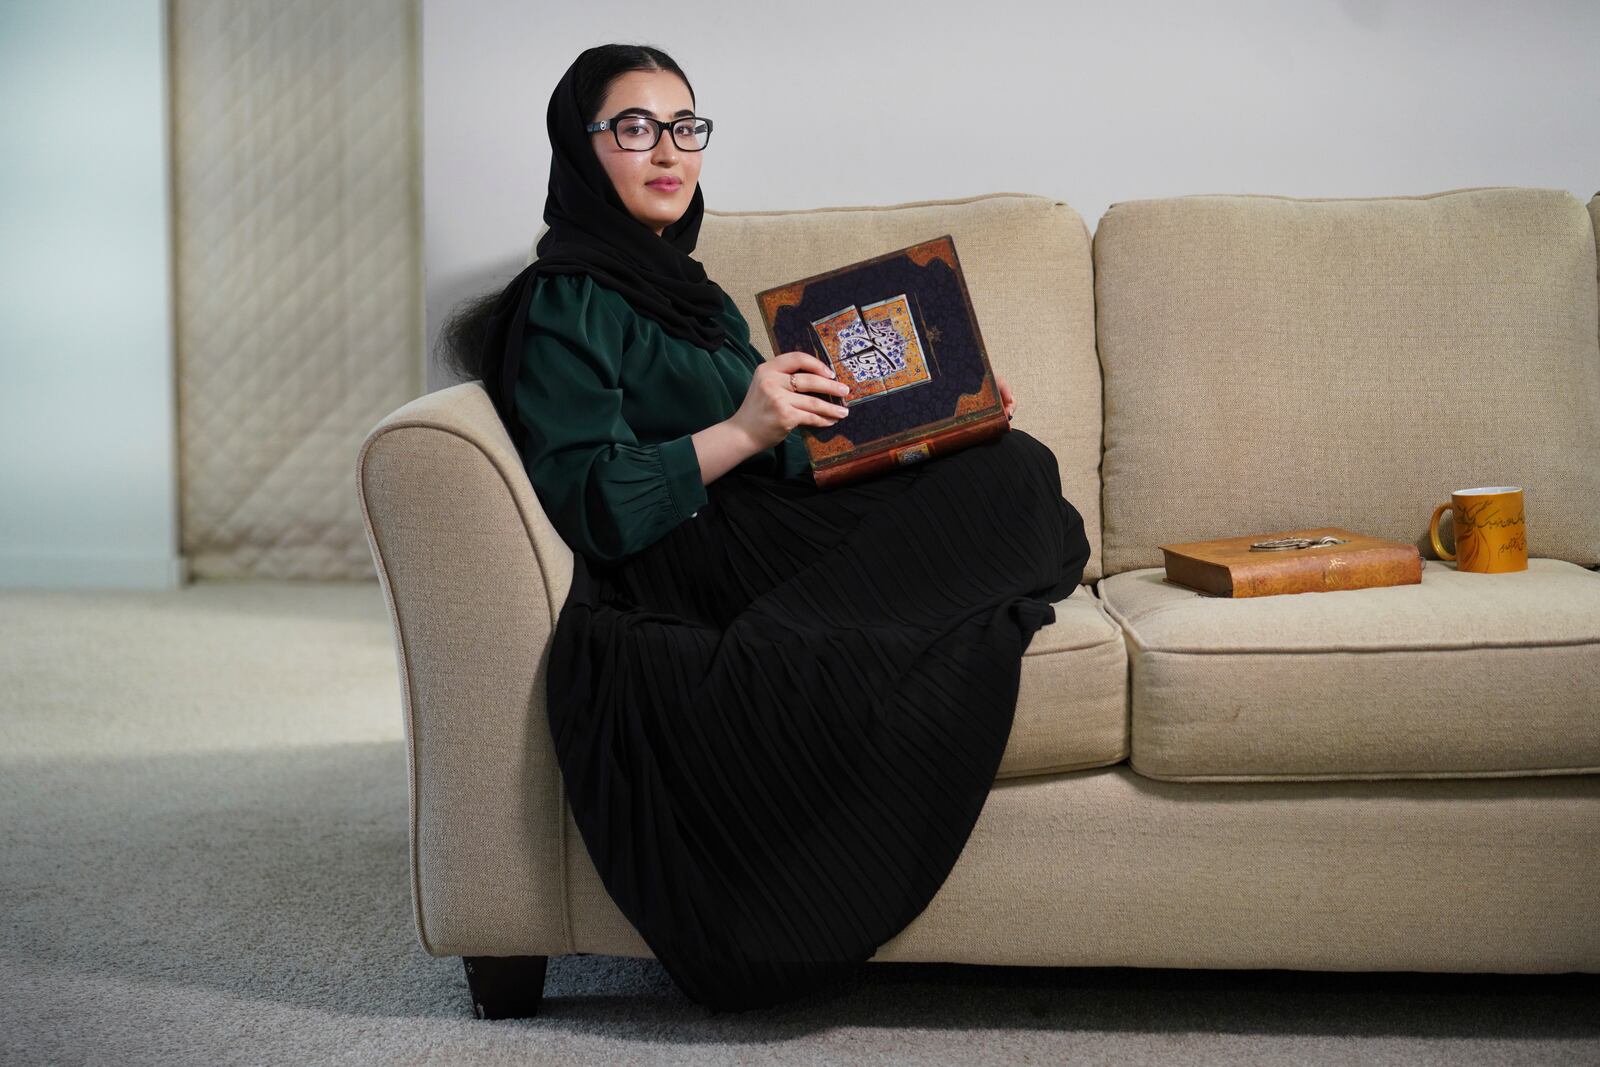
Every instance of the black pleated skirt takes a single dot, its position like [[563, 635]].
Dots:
[[778, 724]]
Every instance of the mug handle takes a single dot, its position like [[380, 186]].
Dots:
[[1433, 532]]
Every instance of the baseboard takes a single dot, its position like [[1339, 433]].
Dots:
[[20, 570]]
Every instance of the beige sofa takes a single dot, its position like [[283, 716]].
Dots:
[[1386, 779]]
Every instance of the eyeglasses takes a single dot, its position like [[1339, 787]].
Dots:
[[641, 133]]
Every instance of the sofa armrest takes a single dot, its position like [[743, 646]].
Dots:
[[474, 577]]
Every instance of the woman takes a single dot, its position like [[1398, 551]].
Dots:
[[777, 710]]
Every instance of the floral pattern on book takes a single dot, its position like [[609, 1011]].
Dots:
[[875, 348]]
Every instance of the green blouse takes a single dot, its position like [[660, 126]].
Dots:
[[610, 402]]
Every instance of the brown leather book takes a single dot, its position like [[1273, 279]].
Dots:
[[1229, 567]]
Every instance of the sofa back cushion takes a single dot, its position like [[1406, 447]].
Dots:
[[1273, 363], [1026, 261]]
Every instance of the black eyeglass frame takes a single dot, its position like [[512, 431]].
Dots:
[[610, 124]]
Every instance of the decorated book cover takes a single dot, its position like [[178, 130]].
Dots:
[[899, 330]]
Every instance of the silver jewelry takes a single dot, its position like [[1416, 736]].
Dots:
[[1284, 543]]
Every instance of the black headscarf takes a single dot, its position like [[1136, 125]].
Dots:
[[591, 232]]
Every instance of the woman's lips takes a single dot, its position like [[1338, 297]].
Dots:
[[665, 185]]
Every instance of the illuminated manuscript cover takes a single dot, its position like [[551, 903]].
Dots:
[[900, 331]]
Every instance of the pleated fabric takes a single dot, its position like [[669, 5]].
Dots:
[[778, 724]]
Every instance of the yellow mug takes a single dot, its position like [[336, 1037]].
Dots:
[[1491, 533]]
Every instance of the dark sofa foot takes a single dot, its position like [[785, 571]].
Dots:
[[505, 987]]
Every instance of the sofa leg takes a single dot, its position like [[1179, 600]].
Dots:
[[505, 987]]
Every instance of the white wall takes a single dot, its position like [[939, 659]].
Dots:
[[87, 445], [861, 102]]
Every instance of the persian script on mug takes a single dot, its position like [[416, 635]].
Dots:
[[1491, 533]]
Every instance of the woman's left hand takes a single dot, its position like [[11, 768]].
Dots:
[[1007, 401]]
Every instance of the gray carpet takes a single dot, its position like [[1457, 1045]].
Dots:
[[203, 860]]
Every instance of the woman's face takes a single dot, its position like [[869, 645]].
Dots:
[[655, 186]]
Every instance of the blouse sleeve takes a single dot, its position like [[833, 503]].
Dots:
[[605, 493], [794, 462]]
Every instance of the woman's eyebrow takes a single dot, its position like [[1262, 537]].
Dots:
[[680, 113]]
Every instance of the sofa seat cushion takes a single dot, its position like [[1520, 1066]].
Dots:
[[1464, 675], [1072, 696]]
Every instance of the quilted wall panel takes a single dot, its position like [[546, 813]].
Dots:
[[297, 208]]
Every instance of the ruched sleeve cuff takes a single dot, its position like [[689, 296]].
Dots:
[[680, 463]]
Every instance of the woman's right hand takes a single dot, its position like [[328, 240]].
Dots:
[[773, 407]]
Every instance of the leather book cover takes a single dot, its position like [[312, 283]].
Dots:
[[1228, 567], [900, 331]]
